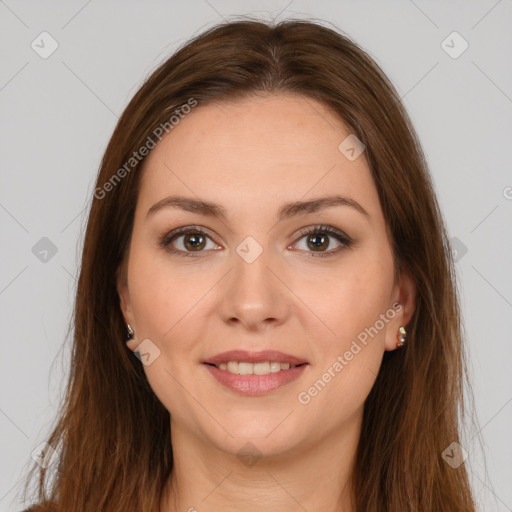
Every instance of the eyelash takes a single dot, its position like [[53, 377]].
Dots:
[[345, 240]]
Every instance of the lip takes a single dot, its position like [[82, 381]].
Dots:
[[254, 385], [254, 357]]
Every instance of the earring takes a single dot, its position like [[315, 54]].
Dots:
[[402, 334], [129, 332]]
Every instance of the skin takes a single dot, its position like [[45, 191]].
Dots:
[[252, 156]]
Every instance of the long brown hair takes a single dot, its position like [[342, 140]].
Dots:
[[112, 433]]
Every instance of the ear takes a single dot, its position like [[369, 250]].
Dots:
[[405, 295], [125, 302]]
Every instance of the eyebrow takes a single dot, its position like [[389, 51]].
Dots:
[[286, 211]]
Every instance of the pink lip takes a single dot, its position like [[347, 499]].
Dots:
[[254, 357], [254, 385]]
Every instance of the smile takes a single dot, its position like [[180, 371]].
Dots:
[[263, 368]]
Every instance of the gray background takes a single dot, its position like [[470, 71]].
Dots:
[[58, 113]]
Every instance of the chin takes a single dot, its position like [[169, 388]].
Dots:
[[250, 435]]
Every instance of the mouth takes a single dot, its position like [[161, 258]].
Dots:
[[255, 373], [242, 362], [264, 368]]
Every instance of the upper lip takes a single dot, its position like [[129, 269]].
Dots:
[[254, 357]]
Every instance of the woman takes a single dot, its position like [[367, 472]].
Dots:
[[265, 233]]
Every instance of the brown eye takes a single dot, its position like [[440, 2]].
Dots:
[[186, 241], [320, 238], [194, 241], [317, 241]]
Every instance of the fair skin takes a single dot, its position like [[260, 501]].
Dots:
[[251, 157]]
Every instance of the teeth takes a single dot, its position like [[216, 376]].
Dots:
[[232, 367], [275, 367], [242, 368], [246, 368], [261, 368]]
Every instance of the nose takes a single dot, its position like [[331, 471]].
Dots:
[[253, 294]]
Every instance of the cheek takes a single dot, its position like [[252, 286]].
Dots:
[[363, 298], [164, 296], [165, 301], [349, 358], [349, 354], [347, 297]]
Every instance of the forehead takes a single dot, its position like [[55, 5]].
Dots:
[[264, 149]]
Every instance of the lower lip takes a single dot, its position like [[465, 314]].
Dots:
[[254, 385]]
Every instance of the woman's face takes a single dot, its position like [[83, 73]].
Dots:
[[255, 281]]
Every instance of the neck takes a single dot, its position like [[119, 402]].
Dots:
[[313, 478]]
